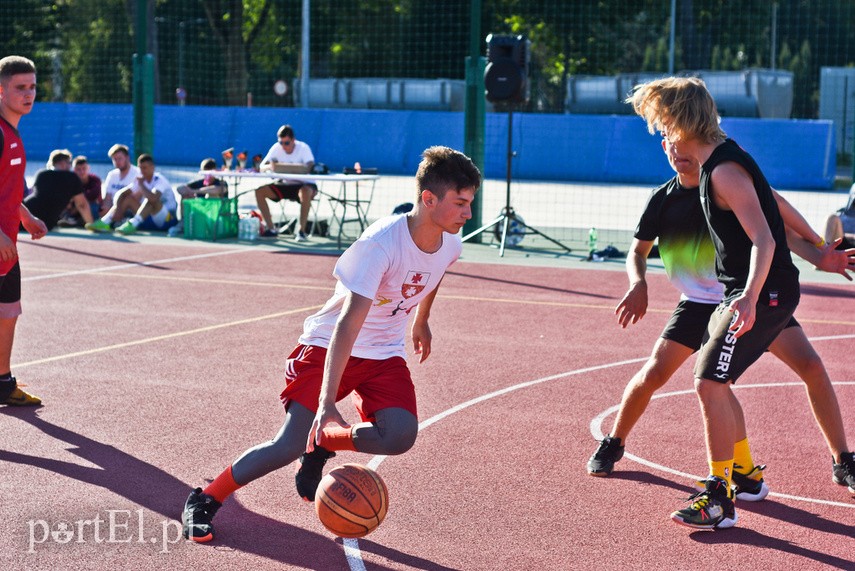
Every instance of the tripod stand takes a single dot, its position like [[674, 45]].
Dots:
[[508, 215]]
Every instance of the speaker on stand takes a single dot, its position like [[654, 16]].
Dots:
[[506, 84]]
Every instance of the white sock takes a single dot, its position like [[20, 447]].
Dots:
[[136, 221]]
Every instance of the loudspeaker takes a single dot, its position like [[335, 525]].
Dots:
[[506, 75]]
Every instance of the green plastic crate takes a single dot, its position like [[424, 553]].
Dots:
[[210, 218]]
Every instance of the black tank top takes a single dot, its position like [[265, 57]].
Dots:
[[732, 244]]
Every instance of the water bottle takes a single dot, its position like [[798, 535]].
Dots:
[[245, 229], [592, 241], [254, 228]]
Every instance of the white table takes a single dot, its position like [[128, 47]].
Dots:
[[349, 194]]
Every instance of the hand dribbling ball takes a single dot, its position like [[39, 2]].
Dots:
[[351, 500]]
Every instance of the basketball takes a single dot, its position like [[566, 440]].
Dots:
[[351, 500]]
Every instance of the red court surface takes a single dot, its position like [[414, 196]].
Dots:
[[161, 361]]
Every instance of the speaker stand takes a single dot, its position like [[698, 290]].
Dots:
[[507, 215]]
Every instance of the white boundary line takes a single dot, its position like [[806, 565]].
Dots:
[[597, 432], [351, 546], [134, 265]]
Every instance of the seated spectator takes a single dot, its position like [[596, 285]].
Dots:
[[287, 150], [120, 177], [208, 186], [841, 224], [53, 189], [150, 197], [91, 190]]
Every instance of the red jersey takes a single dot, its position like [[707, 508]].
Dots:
[[13, 164]]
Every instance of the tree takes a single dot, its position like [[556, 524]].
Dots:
[[236, 25]]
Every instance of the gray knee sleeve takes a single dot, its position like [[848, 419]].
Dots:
[[393, 431]]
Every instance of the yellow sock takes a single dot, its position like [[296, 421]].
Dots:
[[742, 456], [723, 469]]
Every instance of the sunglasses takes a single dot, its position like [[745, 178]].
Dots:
[[286, 142]]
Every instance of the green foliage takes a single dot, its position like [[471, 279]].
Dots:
[[221, 49]]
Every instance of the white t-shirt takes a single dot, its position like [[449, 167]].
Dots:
[[167, 195], [384, 265], [301, 154], [115, 182]]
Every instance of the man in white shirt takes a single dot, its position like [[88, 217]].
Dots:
[[150, 197], [120, 177], [287, 150]]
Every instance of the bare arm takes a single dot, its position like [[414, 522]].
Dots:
[[347, 329], [734, 190], [422, 335], [794, 221], [32, 224], [633, 306], [810, 246]]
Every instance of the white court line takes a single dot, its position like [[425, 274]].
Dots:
[[134, 265], [351, 546], [597, 432]]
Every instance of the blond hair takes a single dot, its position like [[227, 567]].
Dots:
[[58, 155], [679, 108]]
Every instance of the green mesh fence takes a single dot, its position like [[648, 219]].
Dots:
[[220, 50], [785, 59]]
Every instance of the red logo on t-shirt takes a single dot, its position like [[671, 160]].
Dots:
[[414, 283]]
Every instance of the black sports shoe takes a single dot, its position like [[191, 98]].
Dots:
[[603, 461], [310, 472], [199, 510], [713, 508], [844, 473]]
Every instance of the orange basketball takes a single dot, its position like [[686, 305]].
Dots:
[[351, 500]]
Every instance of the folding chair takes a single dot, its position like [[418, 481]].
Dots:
[[287, 224]]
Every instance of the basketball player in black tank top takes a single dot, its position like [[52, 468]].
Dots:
[[752, 261]]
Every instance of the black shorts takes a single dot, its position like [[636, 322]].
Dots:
[[291, 190], [723, 357], [689, 321], [10, 293], [10, 285]]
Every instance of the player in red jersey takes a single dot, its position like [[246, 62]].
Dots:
[[17, 95]]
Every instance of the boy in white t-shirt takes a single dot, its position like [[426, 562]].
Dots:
[[150, 197], [123, 175], [355, 343], [287, 150]]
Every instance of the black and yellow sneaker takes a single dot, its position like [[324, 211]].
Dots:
[[844, 473], [12, 395], [311, 471], [603, 461], [748, 487], [711, 509], [199, 510]]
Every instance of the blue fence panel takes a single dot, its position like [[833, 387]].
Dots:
[[375, 139], [791, 153], [186, 135], [254, 130], [426, 129], [42, 130], [794, 154]]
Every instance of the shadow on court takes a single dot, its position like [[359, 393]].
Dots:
[[526, 284], [80, 252], [750, 537], [153, 489]]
